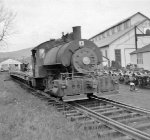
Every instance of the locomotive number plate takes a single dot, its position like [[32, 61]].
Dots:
[[41, 53], [81, 43]]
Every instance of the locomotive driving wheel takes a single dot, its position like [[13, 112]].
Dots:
[[85, 60]]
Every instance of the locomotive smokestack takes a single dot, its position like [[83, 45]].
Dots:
[[76, 32]]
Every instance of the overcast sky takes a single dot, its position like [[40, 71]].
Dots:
[[39, 20]]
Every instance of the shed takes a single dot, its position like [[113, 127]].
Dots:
[[141, 57], [10, 64]]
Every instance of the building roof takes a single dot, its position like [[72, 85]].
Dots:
[[118, 24], [10, 61], [142, 50], [112, 38]]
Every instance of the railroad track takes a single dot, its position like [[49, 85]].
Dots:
[[131, 121], [103, 118]]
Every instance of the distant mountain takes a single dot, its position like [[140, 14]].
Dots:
[[21, 55]]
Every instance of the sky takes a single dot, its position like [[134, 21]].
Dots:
[[41, 20]]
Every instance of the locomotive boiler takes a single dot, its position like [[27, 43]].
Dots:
[[68, 66]]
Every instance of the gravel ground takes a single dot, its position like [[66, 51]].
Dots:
[[25, 117]]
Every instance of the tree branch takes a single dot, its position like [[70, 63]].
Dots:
[[6, 21]]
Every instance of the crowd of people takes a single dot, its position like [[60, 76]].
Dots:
[[133, 78]]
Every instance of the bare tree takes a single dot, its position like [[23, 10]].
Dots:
[[6, 23]]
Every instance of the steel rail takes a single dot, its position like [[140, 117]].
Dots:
[[134, 133], [133, 108]]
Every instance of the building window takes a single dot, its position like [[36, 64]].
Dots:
[[113, 31], [118, 56], [140, 58], [108, 33], [126, 24], [119, 28], [103, 35], [147, 31], [99, 37]]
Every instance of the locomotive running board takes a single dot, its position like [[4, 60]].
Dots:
[[75, 97]]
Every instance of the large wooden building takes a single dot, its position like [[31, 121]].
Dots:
[[118, 41]]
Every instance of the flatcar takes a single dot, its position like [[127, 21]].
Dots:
[[69, 67]]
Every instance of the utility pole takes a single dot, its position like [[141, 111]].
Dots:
[[135, 38]]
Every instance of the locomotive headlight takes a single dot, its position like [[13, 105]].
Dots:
[[86, 60], [63, 86]]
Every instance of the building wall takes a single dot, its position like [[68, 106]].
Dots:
[[133, 59], [126, 44], [105, 53], [146, 58]]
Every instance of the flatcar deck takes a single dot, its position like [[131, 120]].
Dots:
[[22, 76]]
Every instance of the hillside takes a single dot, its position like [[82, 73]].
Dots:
[[21, 55]]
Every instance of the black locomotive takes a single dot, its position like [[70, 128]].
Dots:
[[69, 67]]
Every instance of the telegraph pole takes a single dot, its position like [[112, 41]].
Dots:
[[135, 38]]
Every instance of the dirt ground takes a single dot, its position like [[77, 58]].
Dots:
[[25, 117], [138, 98]]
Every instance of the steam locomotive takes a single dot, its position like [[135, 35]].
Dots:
[[69, 67]]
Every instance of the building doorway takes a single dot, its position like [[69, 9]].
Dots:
[[118, 56]]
